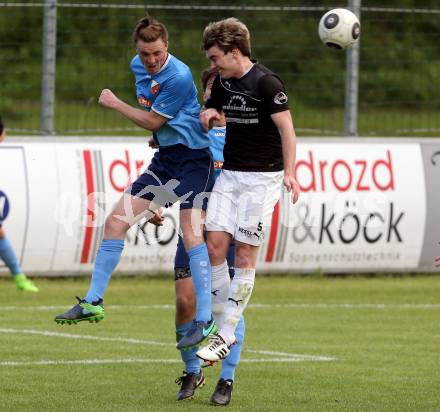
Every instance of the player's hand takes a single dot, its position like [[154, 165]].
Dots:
[[208, 117], [292, 186], [152, 143], [157, 219], [108, 99]]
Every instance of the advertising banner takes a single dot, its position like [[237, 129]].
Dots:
[[363, 207], [356, 210]]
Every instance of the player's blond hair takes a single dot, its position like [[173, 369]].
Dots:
[[227, 34], [149, 30]]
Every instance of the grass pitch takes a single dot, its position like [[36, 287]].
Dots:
[[312, 344]]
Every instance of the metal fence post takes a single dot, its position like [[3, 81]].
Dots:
[[352, 81], [48, 67]]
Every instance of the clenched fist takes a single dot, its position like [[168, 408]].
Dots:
[[208, 117], [108, 99]]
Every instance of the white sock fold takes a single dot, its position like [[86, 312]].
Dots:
[[239, 294]]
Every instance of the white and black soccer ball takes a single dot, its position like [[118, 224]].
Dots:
[[339, 28]]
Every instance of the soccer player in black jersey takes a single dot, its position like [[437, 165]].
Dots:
[[259, 157]]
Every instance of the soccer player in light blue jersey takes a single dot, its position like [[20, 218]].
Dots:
[[7, 253], [181, 170], [192, 377]]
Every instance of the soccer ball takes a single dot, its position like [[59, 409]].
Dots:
[[339, 28]]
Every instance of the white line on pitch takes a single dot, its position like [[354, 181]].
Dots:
[[291, 357], [254, 306], [84, 337], [348, 305], [116, 361], [86, 362]]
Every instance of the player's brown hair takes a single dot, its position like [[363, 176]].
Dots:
[[149, 30], [207, 74], [227, 34]]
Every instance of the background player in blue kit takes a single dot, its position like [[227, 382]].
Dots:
[[192, 377], [181, 169], [7, 253]]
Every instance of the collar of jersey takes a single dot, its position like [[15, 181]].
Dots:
[[247, 71]]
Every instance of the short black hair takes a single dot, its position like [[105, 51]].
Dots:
[[1, 126]]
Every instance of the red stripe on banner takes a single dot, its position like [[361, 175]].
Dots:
[[88, 166], [273, 233]]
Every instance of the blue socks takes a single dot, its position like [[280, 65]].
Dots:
[[107, 259], [7, 254], [201, 276], [230, 363], [189, 358]]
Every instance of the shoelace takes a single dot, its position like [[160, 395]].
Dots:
[[79, 299], [96, 303], [193, 328], [215, 342], [180, 379]]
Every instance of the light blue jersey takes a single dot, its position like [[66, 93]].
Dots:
[[217, 142], [171, 92]]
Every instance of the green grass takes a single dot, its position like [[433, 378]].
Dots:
[[386, 357]]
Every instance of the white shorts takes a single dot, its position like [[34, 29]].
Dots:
[[241, 203]]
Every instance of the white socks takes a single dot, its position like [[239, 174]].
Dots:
[[219, 290], [238, 298]]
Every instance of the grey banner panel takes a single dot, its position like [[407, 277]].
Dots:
[[431, 247]]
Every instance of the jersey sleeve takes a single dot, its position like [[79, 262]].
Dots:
[[215, 101], [273, 94], [172, 95]]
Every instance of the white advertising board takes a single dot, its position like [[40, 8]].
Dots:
[[58, 196], [356, 211]]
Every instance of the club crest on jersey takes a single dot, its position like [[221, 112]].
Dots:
[[144, 102], [155, 86], [280, 98]]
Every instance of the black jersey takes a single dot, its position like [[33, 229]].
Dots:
[[253, 143]]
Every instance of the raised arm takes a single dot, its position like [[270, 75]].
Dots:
[[148, 120]]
